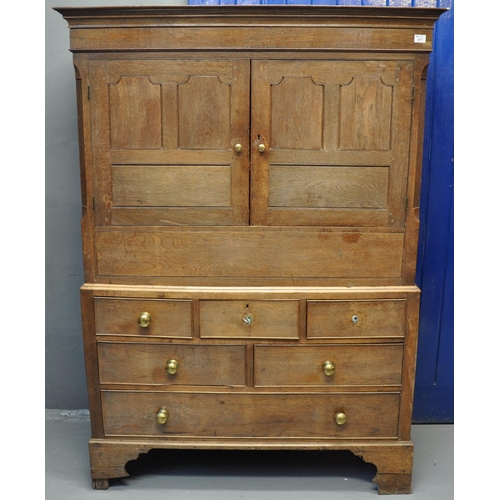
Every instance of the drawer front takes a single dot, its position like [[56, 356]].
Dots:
[[168, 318], [340, 318], [250, 415], [364, 364], [207, 365], [276, 319]]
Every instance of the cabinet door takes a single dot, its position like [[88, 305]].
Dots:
[[164, 136], [336, 137]]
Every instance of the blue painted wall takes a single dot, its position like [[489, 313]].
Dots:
[[434, 384], [380, 3], [435, 271]]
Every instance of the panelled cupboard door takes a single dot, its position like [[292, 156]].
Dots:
[[165, 136], [330, 142]]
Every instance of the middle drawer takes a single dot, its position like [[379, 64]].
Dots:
[[328, 365], [269, 319], [171, 364]]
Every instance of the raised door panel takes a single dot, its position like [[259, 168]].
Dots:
[[336, 137], [135, 113], [163, 136]]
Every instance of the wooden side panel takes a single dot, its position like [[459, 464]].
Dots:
[[91, 363], [257, 253], [80, 63], [250, 415], [409, 367]]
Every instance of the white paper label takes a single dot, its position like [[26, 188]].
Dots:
[[420, 38]]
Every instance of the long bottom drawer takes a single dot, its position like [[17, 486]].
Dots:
[[132, 413]]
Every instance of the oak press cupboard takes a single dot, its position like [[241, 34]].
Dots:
[[250, 186]]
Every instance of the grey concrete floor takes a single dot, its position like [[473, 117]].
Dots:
[[234, 475]]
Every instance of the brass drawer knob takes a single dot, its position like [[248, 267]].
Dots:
[[340, 418], [162, 416], [248, 319], [238, 148], [144, 319], [328, 368], [172, 366], [262, 148]]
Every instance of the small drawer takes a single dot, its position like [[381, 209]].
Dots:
[[363, 364], [171, 364], [356, 318], [243, 415], [157, 318], [270, 319]]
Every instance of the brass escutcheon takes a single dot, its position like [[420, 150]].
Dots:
[[248, 319]]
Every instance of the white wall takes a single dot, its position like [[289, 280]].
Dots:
[[64, 364]]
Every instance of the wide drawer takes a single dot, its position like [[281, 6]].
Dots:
[[274, 319], [356, 318], [167, 318], [328, 365], [137, 363], [250, 415]]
